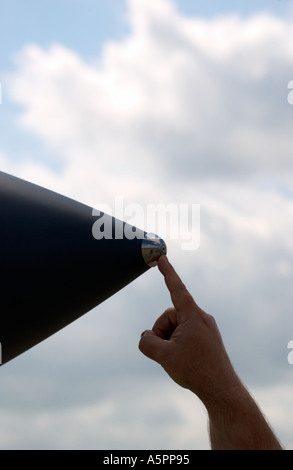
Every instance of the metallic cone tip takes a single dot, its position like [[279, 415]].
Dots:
[[152, 247]]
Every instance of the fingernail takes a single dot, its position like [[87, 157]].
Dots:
[[146, 332]]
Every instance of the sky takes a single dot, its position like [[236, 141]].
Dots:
[[155, 102]]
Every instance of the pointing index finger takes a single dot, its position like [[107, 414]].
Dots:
[[181, 298]]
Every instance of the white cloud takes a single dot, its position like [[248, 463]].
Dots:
[[181, 110], [113, 422], [176, 96], [150, 413]]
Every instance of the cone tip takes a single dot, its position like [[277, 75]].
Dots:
[[152, 247]]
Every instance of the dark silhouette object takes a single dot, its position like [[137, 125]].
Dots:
[[52, 267]]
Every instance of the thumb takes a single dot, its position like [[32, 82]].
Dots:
[[153, 346]]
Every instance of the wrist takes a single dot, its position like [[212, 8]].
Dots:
[[214, 380], [218, 394], [228, 400]]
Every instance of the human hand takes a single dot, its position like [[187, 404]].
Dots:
[[186, 341]]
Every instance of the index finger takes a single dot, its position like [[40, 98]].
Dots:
[[181, 298]]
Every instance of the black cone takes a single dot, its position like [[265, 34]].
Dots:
[[52, 269]]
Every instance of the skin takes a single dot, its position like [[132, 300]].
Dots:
[[187, 343]]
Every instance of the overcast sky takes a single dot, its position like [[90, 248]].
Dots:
[[155, 101]]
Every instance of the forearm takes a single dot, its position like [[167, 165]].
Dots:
[[236, 423]]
